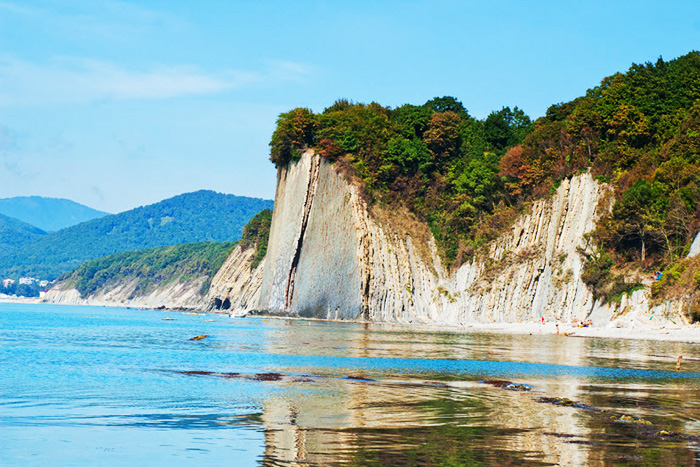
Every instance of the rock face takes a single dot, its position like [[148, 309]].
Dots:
[[312, 266], [329, 257], [535, 270], [236, 286], [174, 295], [695, 247]]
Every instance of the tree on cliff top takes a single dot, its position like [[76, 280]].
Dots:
[[294, 133]]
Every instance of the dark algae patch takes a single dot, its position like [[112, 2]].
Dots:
[[359, 378], [564, 402], [267, 377], [511, 386], [196, 373]]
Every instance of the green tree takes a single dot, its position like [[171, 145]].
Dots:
[[443, 137], [446, 104], [294, 133], [256, 234], [506, 128], [638, 218]]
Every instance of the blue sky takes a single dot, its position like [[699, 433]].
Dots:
[[117, 104]]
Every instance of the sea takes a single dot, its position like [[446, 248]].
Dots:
[[116, 386]]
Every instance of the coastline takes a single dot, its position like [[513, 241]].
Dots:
[[636, 331], [688, 334], [34, 300]]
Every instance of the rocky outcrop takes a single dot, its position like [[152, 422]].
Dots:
[[236, 286], [173, 295], [330, 257]]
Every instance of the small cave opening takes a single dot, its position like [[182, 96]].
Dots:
[[217, 304], [226, 305]]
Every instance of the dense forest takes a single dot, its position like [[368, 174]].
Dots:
[[151, 268], [468, 178], [191, 217], [14, 233]]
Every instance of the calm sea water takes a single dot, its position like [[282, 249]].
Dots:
[[115, 386]]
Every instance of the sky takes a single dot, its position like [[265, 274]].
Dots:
[[118, 104]]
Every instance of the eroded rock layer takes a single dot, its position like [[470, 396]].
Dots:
[[173, 295], [329, 257]]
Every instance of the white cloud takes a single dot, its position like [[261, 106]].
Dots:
[[70, 80], [97, 19]]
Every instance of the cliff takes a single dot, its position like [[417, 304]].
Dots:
[[172, 277], [330, 257], [236, 286], [174, 295]]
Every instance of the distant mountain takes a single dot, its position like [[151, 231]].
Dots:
[[191, 217], [49, 214], [15, 233]]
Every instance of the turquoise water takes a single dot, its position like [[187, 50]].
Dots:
[[115, 386]]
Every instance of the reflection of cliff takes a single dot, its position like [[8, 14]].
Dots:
[[329, 419], [329, 257], [390, 417]]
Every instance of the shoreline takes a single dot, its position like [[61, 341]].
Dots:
[[638, 330], [687, 334]]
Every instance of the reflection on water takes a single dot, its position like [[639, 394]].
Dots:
[[111, 386]]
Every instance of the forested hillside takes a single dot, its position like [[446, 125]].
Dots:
[[191, 217], [150, 268], [15, 233], [468, 178]]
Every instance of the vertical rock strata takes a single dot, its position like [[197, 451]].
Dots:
[[236, 286], [328, 257], [535, 270]]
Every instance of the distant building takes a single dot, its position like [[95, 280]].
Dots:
[[26, 280], [8, 282], [42, 293], [43, 283]]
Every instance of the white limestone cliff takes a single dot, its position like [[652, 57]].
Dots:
[[236, 286], [330, 257], [173, 295]]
